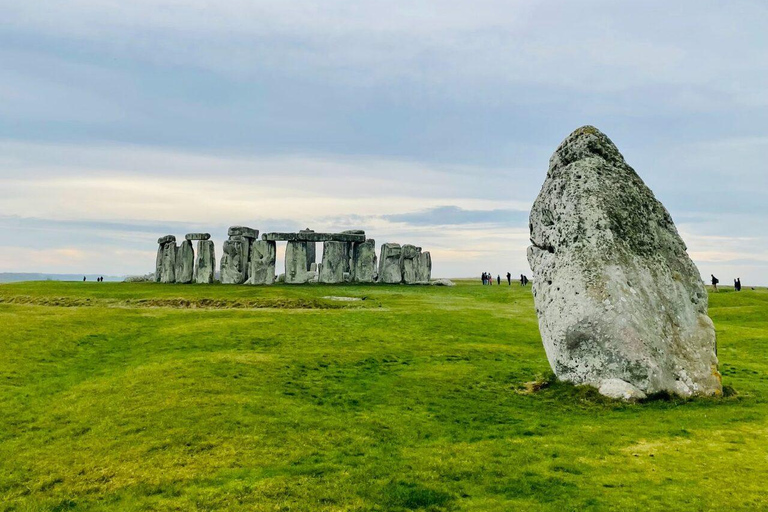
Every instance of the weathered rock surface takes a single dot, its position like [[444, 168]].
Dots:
[[243, 231], [234, 260], [185, 263], [424, 268], [305, 236], [332, 268], [621, 306], [198, 236], [263, 257], [205, 263], [443, 282], [389, 264], [296, 263], [409, 259], [168, 262], [311, 250], [363, 265], [166, 239]]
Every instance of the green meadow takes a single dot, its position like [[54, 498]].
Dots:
[[137, 397]]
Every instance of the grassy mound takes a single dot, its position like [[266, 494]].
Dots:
[[163, 397]]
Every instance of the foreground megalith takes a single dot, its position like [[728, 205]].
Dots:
[[424, 268], [389, 264], [331, 271], [263, 257], [409, 263], [363, 261], [185, 263], [296, 262], [621, 306], [165, 268], [205, 263]]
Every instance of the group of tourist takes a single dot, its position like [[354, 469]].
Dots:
[[716, 281], [487, 279]]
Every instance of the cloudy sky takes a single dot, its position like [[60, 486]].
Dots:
[[426, 122]]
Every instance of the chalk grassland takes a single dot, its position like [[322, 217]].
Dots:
[[167, 397]]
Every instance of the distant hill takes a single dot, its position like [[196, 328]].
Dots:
[[14, 277]]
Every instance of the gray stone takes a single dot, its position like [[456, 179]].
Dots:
[[296, 263], [311, 250], [442, 282], [364, 261], [617, 297], [166, 239], [389, 264], [281, 278], [159, 263], [313, 237], [168, 263], [234, 261], [198, 236], [332, 268], [185, 263], [409, 258], [620, 390], [424, 268], [313, 267], [205, 263], [262, 266], [243, 231]]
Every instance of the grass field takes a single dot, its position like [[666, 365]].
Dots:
[[162, 397]]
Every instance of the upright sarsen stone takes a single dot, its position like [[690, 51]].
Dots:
[[234, 260], [168, 264], [332, 268], [409, 260], [389, 264], [263, 257], [205, 264], [185, 263], [424, 268], [620, 304], [363, 263], [296, 263]]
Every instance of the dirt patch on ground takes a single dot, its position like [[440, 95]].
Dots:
[[259, 303]]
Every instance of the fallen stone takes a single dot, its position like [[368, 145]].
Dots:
[[442, 282], [205, 263], [620, 390], [263, 257], [296, 263], [185, 263], [332, 268], [409, 256], [243, 231], [166, 239], [617, 297], [389, 264], [234, 261], [198, 236], [363, 264]]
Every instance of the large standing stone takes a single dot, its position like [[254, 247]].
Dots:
[[159, 264], [311, 250], [409, 261], [332, 269], [168, 264], [296, 263], [389, 264], [364, 261], [621, 306], [424, 268], [185, 263], [163, 258], [205, 264], [234, 260], [263, 256]]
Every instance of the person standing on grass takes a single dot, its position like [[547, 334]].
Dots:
[[490, 278], [525, 280], [498, 279], [714, 281], [737, 284], [522, 280], [509, 279]]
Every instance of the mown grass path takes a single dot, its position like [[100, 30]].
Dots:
[[165, 397]]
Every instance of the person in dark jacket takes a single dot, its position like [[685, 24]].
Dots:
[[509, 279], [714, 281]]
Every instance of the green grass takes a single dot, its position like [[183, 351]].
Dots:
[[164, 397]]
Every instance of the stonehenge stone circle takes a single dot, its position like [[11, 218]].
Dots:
[[389, 264], [332, 268], [205, 263], [262, 265], [620, 304], [296, 262], [363, 264], [185, 263]]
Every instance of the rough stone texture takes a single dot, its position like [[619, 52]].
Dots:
[[243, 231], [304, 236], [198, 236], [185, 263], [409, 257], [363, 266], [443, 282], [205, 263], [618, 389], [311, 250], [332, 268], [262, 265], [168, 263], [313, 267], [166, 239], [158, 264], [296, 263], [389, 264], [616, 294], [234, 261], [424, 268]]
